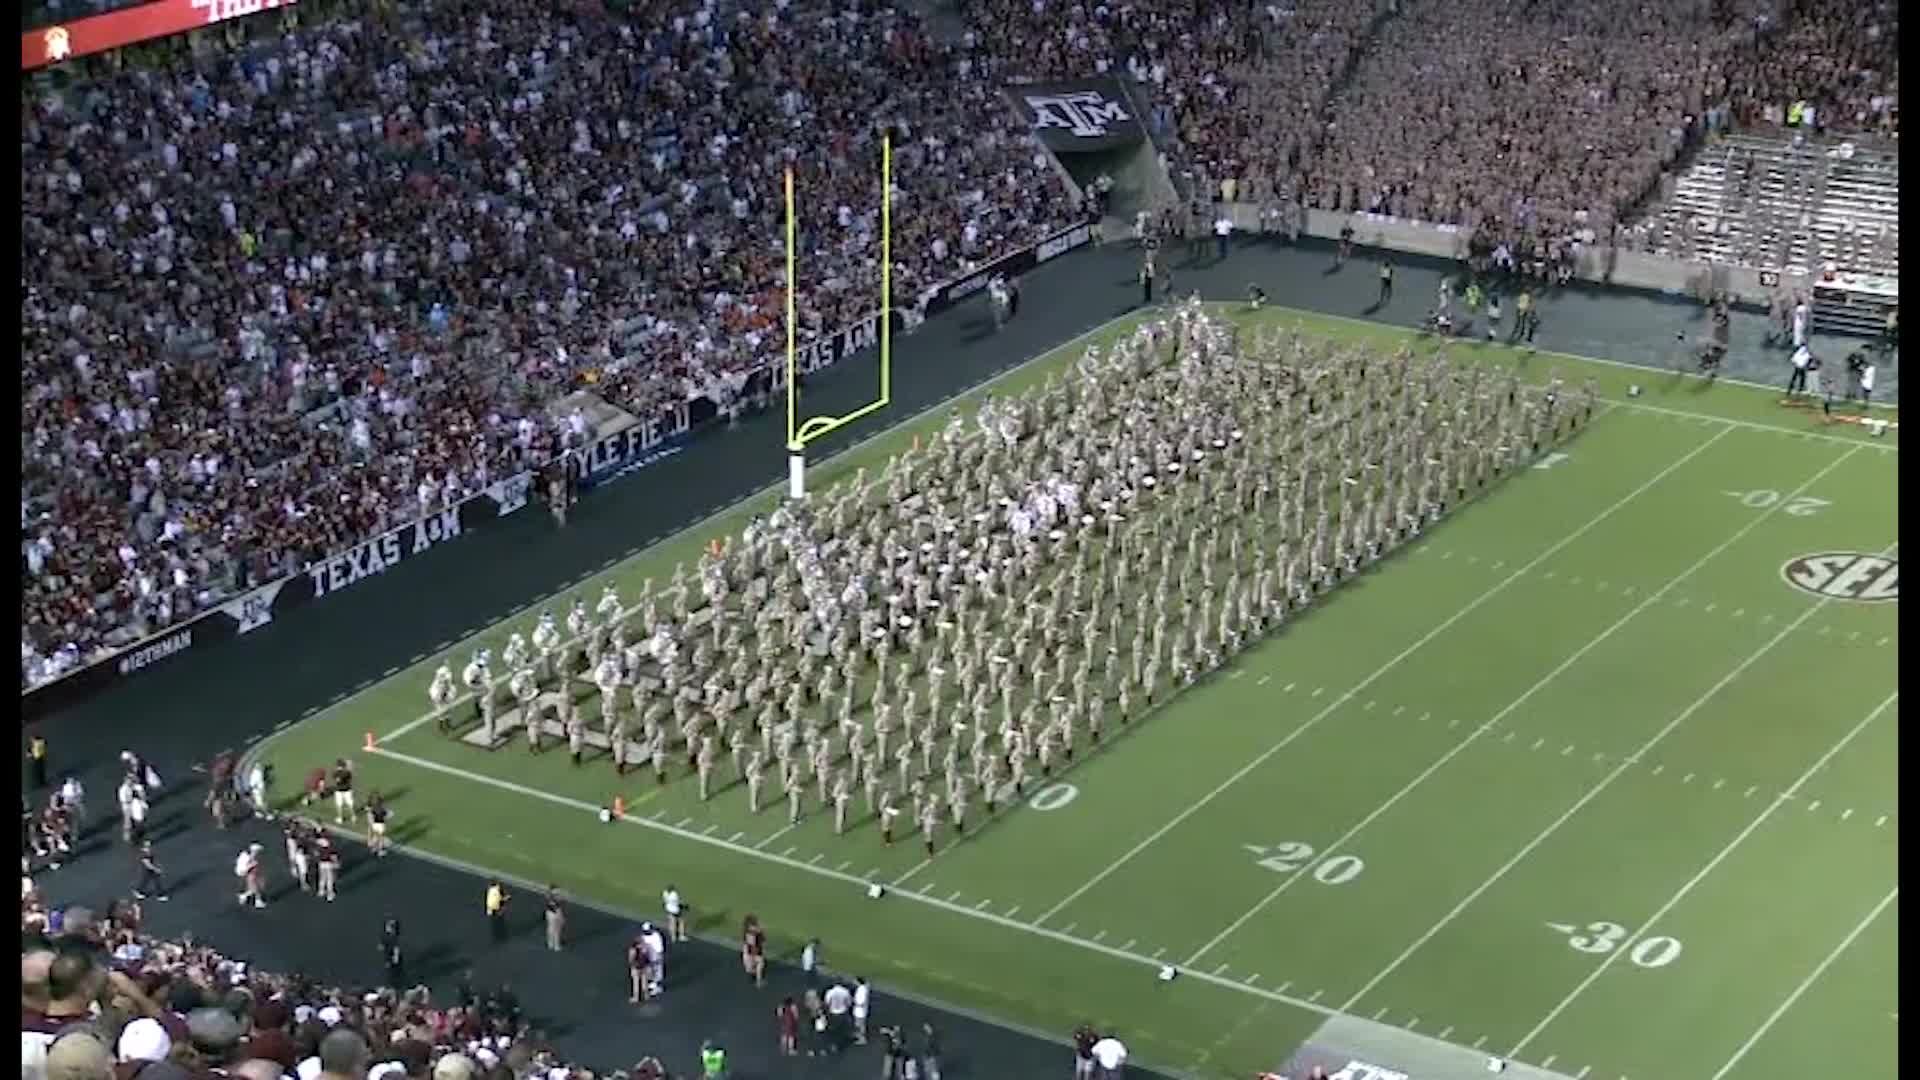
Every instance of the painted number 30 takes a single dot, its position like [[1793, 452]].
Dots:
[[1291, 856], [1604, 937]]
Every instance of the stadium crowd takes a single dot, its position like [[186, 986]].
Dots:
[[119, 1003], [279, 300]]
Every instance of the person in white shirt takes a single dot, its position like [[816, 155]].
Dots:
[[1802, 365], [1802, 315], [676, 913], [257, 791], [1222, 228], [839, 1002], [810, 961], [862, 1002], [656, 947], [1110, 1054]]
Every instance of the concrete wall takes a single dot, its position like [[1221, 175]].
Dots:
[[1632, 269]]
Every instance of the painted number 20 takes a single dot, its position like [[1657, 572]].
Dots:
[[1803, 506], [1291, 856], [1604, 937]]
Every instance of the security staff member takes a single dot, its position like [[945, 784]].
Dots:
[[390, 953], [37, 759], [713, 1061], [497, 911]]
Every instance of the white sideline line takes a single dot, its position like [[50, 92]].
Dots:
[[1592, 794], [1696, 879], [1474, 735], [1474, 604], [1005, 921], [932, 409], [1812, 977]]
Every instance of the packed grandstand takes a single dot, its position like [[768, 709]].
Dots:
[[286, 292]]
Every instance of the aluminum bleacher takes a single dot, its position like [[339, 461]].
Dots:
[[1776, 202]]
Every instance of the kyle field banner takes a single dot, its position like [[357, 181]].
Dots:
[[643, 444], [1078, 115], [128, 26], [261, 606]]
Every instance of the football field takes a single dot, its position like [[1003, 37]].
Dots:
[[1598, 776]]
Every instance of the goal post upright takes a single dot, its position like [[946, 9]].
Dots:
[[800, 434]]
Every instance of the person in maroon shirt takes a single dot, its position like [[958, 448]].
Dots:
[[636, 970], [1083, 1039], [788, 1015]]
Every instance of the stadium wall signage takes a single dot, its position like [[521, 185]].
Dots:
[[1078, 116], [263, 605], [618, 455], [130, 26]]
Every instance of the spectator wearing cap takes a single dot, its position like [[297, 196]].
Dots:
[[453, 1067], [215, 1034], [144, 1040], [270, 1039]]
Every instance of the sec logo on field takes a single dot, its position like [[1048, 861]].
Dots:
[[1845, 575]]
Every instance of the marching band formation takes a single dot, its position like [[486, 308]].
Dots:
[[931, 640]]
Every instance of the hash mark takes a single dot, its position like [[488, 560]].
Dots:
[[1582, 1074], [1413, 1023], [1500, 564], [1445, 1031], [1814, 805], [1068, 930], [684, 822], [1315, 996], [1318, 690], [1446, 555], [1263, 680], [1012, 911], [1719, 782], [1710, 608], [1381, 1013], [1283, 987], [1550, 574], [1567, 751], [1687, 779], [1750, 791], [1658, 769], [1539, 742], [1473, 560], [1882, 821], [1127, 946], [1289, 688], [1099, 935], [1158, 953], [1598, 756], [1508, 738], [842, 868], [1218, 970], [787, 853], [1548, 1064], [1573, 581], [1398, 709], [1847, 813], [1453, 722], [956, 896], [1479, 1042], [1681, 602], [1369, 706], [1424, 717], [1855, 636], [1882, 641]]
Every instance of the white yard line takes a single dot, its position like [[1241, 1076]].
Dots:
[[796, 863], [1732, 845], [1812, 977], [1473, 605], [1592, 794], [1474, 736]]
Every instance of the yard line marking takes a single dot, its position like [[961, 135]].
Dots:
[[1474, 735], [1812, 977], [1473, 605], [784, 830], [1607, 780], [916, 868], [1674, 900]]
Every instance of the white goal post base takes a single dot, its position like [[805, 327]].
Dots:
[[796, 473]]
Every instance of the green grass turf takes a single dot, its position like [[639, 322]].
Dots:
[[1589, 698]]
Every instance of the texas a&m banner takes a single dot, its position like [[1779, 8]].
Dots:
[[1078, 115], [126, 26]]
